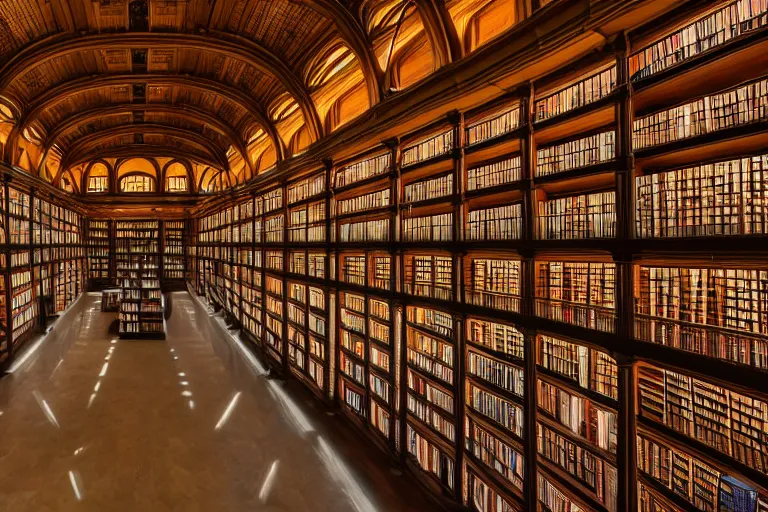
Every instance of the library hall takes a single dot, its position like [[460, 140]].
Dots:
[[384, 255]]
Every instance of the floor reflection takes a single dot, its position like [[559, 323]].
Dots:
[[90, 422]]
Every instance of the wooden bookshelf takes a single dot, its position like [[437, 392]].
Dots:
[[142, 307], [600, 218], [173, 251], [99, 253]]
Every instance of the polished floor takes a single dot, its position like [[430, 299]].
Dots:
[[90, 422]]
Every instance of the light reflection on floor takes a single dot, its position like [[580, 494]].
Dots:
[[90, 422]]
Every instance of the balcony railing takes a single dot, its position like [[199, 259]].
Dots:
[[716, 342], [582, 315]]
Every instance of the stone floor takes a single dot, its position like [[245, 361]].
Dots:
[[91, 422]]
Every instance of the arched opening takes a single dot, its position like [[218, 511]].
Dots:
[[176, 179], [98, 179]]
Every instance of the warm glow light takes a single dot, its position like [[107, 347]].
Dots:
[[29, 353], [341, 473], [228, 411], [46, 409], [75, 487], [266, 487], [295, 414]]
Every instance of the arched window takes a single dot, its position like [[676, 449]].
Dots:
[[98, 179], [176, 179], [137, 182]]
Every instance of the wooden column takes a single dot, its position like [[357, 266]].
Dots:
[[626, 455], [530, 487], [625, 172], [459, 357], [286, 221], [331, 301], [7, 275], [528, 164]]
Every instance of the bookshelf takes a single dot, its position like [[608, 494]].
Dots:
[[99, 253], [709, 31], [708, 416], [578, 293], [368, 365], [431, 365], [715, 312], [173, 251], [724, 198], [494, 363], [586, 209], [142, 307], [708, 114]]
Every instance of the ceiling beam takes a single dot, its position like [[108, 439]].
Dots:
[[441, 31], [194, 113], [353, 34], [86, 143], [232, 46], [63, 91]]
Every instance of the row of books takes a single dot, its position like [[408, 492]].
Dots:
[[731, 298], [592, 471], [723, 419], [364, 202], [363, 170], [495, 283], [495, 126], [589, 368], [576, 154], [578, 217], [734, 107], [718, 199], [306, 188], [709, 31], [494, 174], [430, 458], [496, 372], [428, 189], [584, 418], [503, 412], [367, 231], [585, 283], [427, 149], [431, 418], [686, 475], [498, 223], [495, 337], [482, 497], [495, 453], [429, 276], [434, 228], [579, 94], [423, 387]]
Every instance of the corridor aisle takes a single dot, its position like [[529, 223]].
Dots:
[[95, 423]]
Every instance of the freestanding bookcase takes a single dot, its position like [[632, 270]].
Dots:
[[138, 273]]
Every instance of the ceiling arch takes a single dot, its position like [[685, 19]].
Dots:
[[80, 85], [225, 44], [86, 144], [186, 111]]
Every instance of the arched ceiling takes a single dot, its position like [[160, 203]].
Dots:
[[233, 85]]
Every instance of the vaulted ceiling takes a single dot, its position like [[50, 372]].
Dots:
[[231, 86]]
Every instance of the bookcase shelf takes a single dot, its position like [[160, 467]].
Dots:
[[99, 253], [717, 312], [142, 306], [543, 230], [173, 250]]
